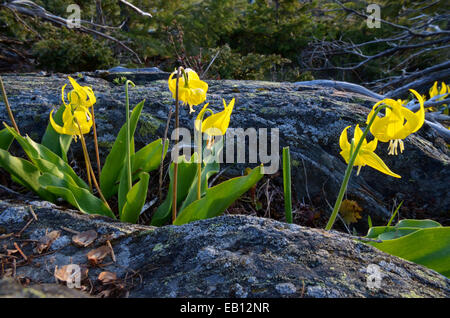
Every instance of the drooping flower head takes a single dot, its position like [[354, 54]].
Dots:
[[217, 124], [191, 90], [397, 123], [72, 122], [76, 114], [80, 96], [366, 154]]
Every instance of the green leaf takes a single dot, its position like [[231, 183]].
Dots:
[[80, 198], [219, 198], [211, 167], [135, 200], [187, 171], [59, 144], [421, 224], [115, 160], [37, 151], [148, 158], [6, 139], [426, 246], [24, 172]]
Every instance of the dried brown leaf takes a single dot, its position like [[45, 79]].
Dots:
[[107, 277], [70, 273], [84, 239], [97, 255]]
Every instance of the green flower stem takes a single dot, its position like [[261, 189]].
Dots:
[[97, 154], [287, 184], [199, 152], [348, 171], [177, 137], [199, 161], [128, 155], [90, 171]]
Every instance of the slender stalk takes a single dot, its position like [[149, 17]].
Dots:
[[89, 167], [128, 155], [348, 171], [98, 188], [161, 165], [86, 157], [199, 163], [8, 108], [199, 152], [177, 137], [97, 155], [287, 184]]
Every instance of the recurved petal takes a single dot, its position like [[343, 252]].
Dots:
[[60, 130], [199, 118], [63, 96], [372, 145], [357, 136], [196, 96], [371, 159], [83, 118], [91, 99], [433, 90], [343, 140], [191, 74]]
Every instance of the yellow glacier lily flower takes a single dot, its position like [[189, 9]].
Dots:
[[366, 154], [80, 96], [71, 121], [397, 123], [191, 90], [444, 90], [217, 124]]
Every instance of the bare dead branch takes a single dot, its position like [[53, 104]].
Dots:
[[136, 9]]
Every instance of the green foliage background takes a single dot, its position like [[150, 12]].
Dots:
[[257, 39]]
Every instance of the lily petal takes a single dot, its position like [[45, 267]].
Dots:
[[372, 160]]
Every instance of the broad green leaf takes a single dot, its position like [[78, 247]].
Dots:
[[207, 171], [211, 166], [80, 198], [123, 189], [36, 151], [396, 233], [186, 173], [6, 139], [377, 230], [427, 246], [115, 160], [420, 224], [135, 200], [59, 144], [146, 159], [219, 198], [24, 172]]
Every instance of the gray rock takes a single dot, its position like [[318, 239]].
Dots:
[[227, 256], [310, 120], [136, 75], [10, 288]]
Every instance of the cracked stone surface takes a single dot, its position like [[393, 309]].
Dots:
[[227, 256]]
